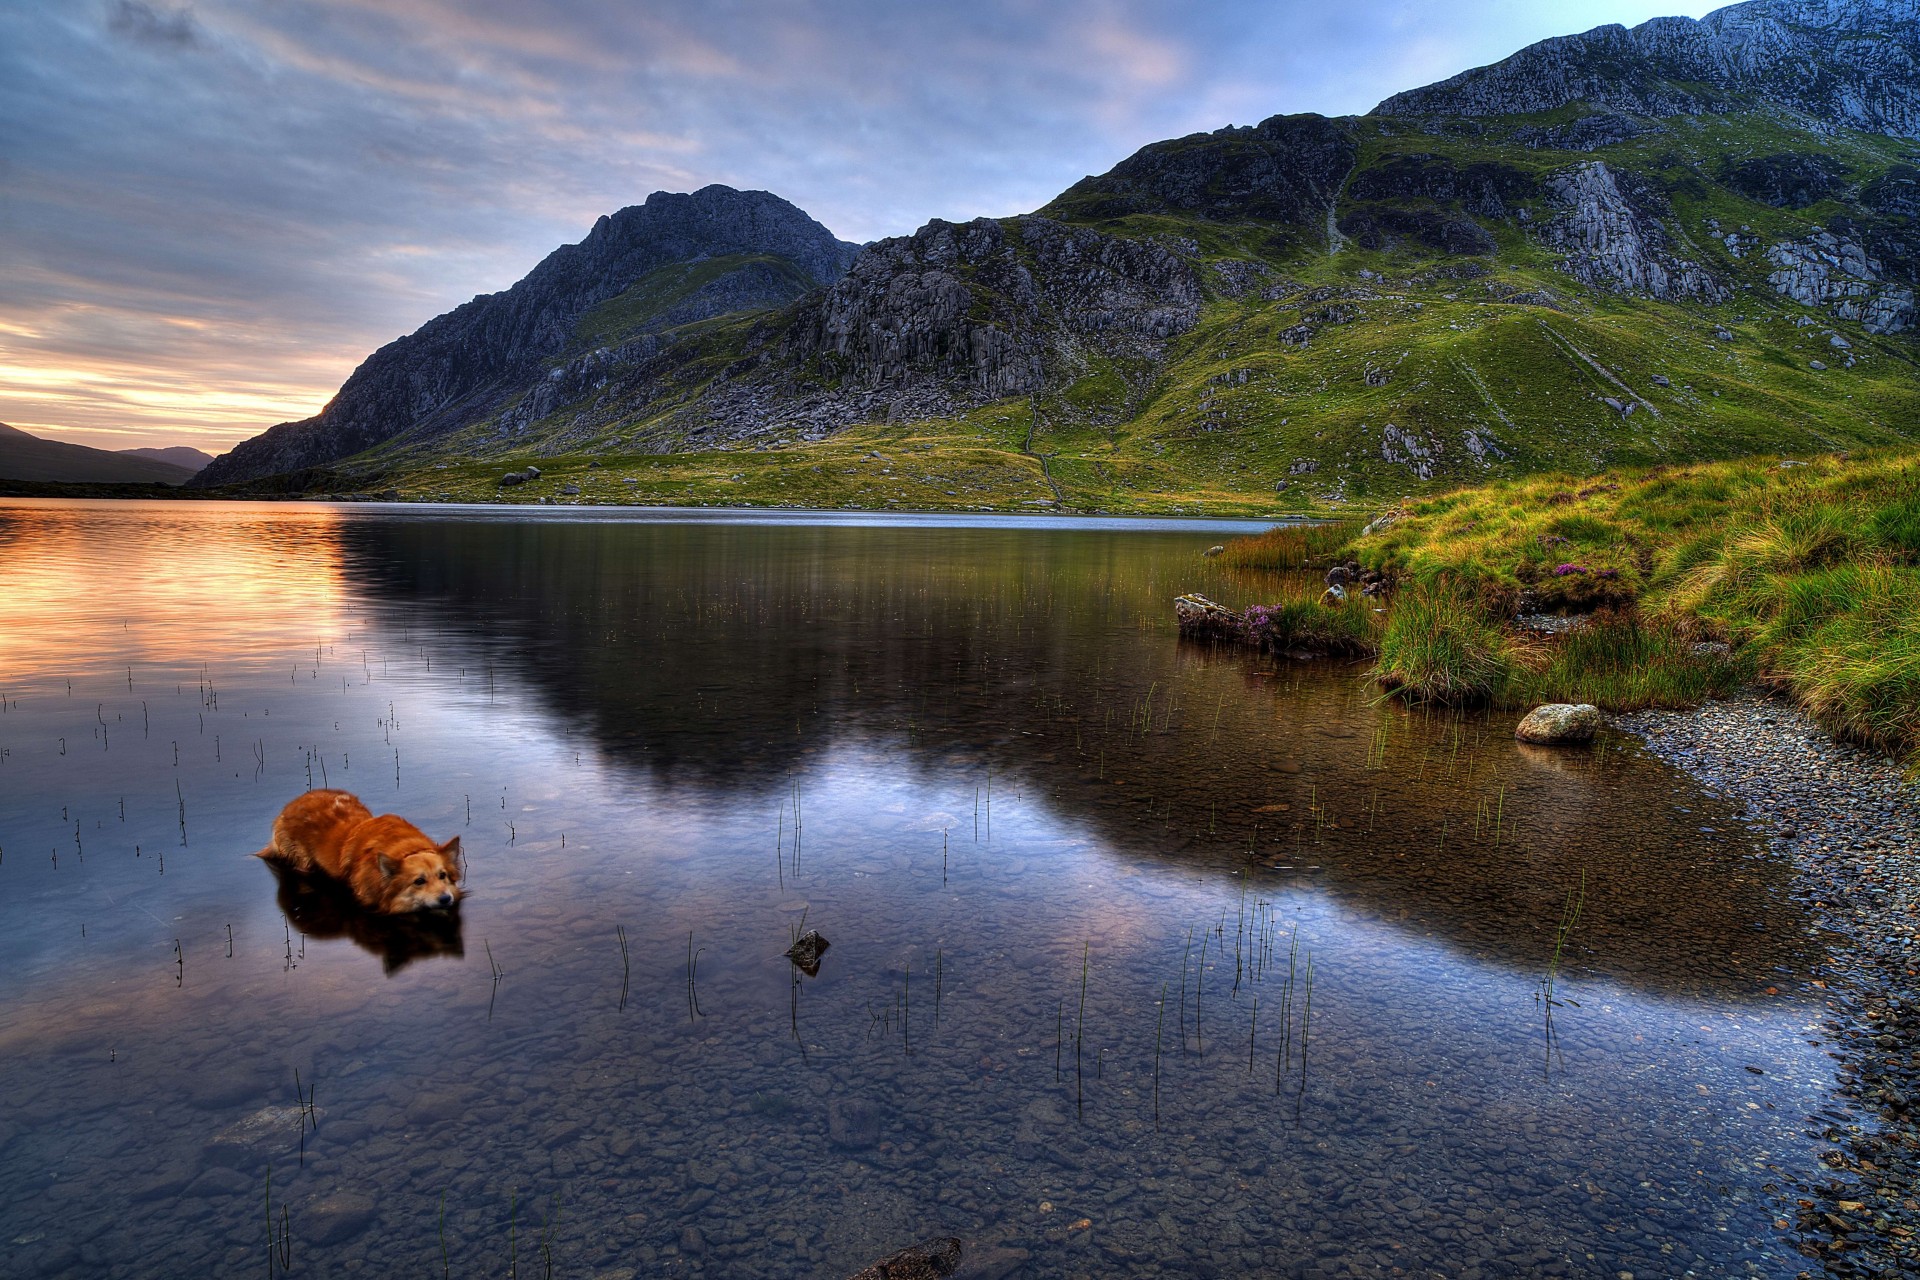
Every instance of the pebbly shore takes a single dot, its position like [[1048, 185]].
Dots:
[[1850, 821]]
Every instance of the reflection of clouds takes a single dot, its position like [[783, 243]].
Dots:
[[274, 171], [219, 583]]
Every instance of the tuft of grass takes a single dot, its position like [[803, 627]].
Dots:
[[1440, 645], [1290, 546], [1625, 662]]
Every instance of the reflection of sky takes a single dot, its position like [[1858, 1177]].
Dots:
[[210, 212], [565, 842]]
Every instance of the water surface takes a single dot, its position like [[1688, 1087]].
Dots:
[[1074, 873]]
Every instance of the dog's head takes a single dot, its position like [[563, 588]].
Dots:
[[416, 874]]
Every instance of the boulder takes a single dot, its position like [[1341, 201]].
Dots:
[[513, 478], [1199, 616], [1557, 723], [929, 1260]]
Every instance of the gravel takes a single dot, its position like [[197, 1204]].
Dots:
[[1851, 823]]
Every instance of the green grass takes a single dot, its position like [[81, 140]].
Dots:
[[1804, 577]]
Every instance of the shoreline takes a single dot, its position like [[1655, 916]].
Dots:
[[1850, 822]]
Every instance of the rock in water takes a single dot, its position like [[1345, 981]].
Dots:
[[928, 1260], [1559, 722], [1199, 616], [805, 952]]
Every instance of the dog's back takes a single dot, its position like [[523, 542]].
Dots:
[[311, 832]]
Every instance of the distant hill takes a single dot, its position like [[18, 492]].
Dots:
[[28, 457], [179, 455]]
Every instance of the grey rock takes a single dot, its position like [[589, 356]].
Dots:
[[1557, 723], [250, 1140], [1837, 273], [335, 1218], [1200, 617], [1611, 227]]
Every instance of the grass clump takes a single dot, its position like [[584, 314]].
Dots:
[[1441, 645], [1290, 546], [1692, 581]]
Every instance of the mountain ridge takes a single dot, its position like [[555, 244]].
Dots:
[[1306, 311], [25, 456]]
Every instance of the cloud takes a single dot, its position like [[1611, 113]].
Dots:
[[144, 24], [200, 245]]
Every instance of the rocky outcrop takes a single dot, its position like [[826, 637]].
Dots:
[[1486, 189], [1588, 133], [471, 362], [1611, 226], [1895, 193], [979, 306], [1786, 181], [1854, 63], [1286, 169], [1387, 227], [1835, 273]]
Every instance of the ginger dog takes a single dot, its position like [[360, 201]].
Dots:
[[389, 863]]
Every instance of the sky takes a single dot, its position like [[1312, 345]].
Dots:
[[211, 212]]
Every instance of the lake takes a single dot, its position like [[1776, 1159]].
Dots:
[[1145, 957]]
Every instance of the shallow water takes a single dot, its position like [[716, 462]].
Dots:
[[1074, 874]]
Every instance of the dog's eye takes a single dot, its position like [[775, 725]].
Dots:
[[419, 879], [443, 875]]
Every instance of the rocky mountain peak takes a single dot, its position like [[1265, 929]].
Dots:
[[1854, 63], [468, 364]]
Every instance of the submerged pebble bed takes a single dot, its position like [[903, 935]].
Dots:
[[1850, 820]]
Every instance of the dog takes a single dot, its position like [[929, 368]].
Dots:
[[390, 865], [320, 907]]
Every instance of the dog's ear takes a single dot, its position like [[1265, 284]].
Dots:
[[387, 865], [451, 849]]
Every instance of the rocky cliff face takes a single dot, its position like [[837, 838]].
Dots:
[[471, 362], [1854, 63], [1611, 225]]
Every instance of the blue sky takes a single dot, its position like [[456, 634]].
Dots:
[[211, 212]]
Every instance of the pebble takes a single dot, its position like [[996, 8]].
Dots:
[[1850, 821]]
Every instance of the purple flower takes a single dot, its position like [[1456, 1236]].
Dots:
[[1567, 570]]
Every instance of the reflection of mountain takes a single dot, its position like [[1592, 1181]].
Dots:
[[718, 657]]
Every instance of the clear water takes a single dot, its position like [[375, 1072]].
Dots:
[[1074, 874]]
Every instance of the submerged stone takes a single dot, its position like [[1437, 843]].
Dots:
[[928, 1260], [806, 950]]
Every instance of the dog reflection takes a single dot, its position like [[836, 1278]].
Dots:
[[322, 907]]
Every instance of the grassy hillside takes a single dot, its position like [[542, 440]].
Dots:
[[1322, 377], [1801, 573]]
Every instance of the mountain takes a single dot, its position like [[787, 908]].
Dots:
[[1691, 239], [28, 457], [179, 455], [641, 279]]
